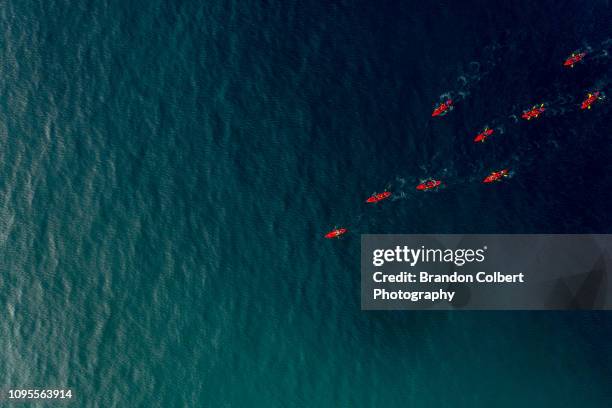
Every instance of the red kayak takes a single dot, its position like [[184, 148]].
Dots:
[[336, 233], [496, 176], [591, 98], [428, 185], [533, 112], [443, 108], [378, 197], [482, 136], [574, 58]]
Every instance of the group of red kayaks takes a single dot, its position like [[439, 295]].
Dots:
[[446, 106]]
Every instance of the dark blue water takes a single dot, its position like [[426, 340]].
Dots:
[[169, 169]]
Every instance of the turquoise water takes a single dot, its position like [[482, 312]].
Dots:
[[169, 168]]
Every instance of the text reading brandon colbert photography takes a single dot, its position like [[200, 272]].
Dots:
[[412, 257]]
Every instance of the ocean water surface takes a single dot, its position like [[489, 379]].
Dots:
[[168, 169]]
